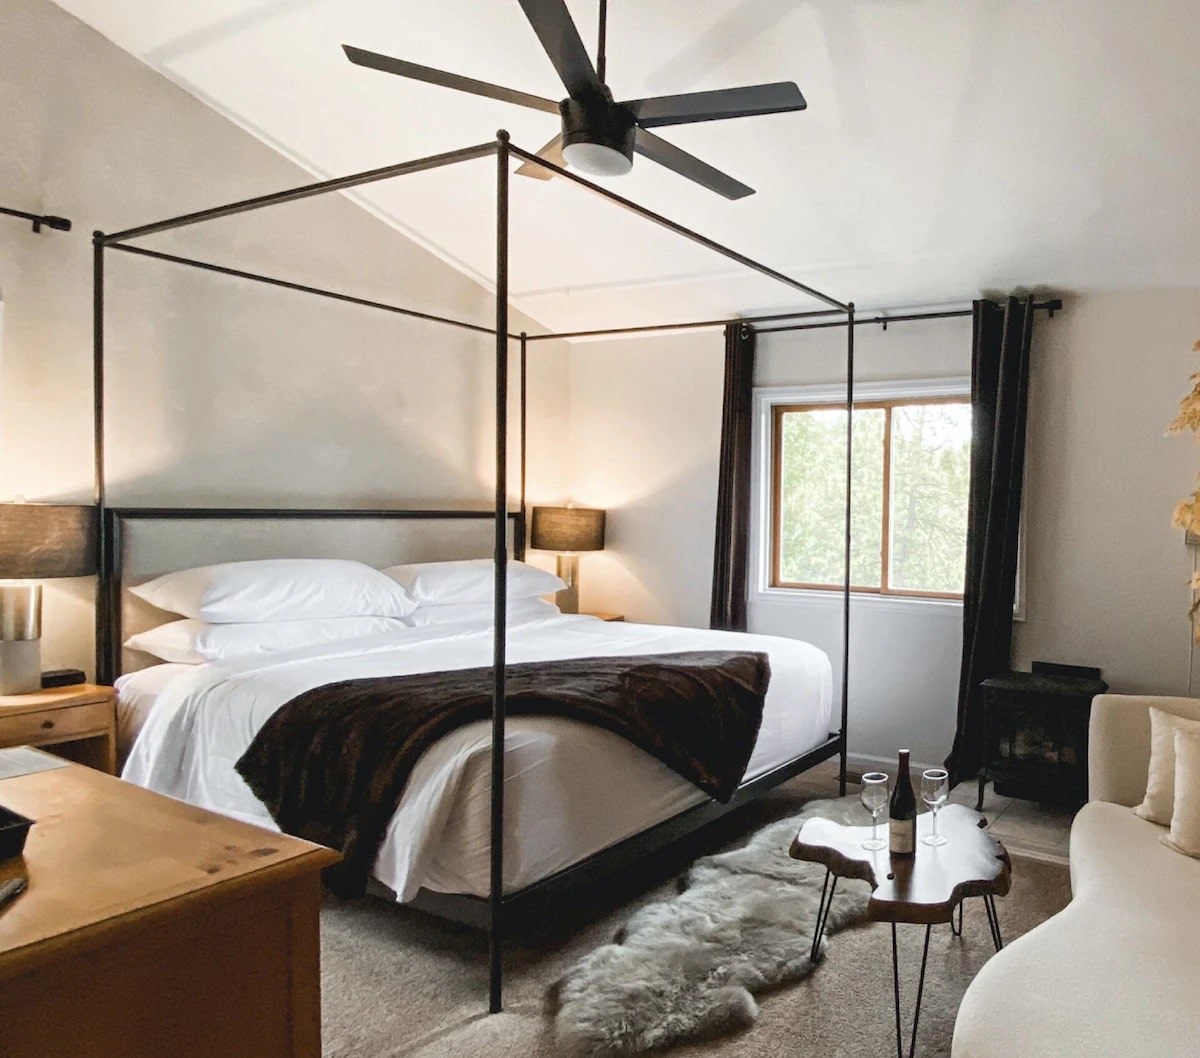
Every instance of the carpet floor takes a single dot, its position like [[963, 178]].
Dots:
[[396, 982]]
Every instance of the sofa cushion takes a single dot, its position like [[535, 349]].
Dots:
[[1185, 822], [1097, 980], [1119, 743], [1117, 858], [1159, 803]]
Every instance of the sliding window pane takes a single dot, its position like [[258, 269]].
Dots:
[[931, 467], [812, 512]]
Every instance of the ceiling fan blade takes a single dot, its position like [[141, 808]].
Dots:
[[650, 146], [374, 61], [552, 152], [750, 101], [552, 23]]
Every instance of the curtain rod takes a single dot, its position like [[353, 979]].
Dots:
[[38, 219], [1050, 307]]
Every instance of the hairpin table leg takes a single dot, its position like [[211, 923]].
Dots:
[[912, 1045], [823, 907], [989, 902]]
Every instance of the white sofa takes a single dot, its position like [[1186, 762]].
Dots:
[[1116, 974]]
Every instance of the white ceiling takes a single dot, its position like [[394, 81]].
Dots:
[[950, 146]]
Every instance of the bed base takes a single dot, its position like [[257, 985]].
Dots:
[[475, 910]]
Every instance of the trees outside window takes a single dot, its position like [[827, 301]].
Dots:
[[911, 476]]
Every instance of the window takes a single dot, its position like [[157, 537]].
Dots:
[[911, 477]]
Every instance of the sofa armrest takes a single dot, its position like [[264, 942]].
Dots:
[[1119, 743]]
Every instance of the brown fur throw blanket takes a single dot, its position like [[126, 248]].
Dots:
[[332, 764]]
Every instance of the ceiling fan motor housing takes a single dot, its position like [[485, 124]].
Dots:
[[601, 130]]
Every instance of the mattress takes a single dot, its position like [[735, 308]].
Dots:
[[570, 789]]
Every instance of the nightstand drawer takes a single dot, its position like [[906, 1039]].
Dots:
[[55, 724]]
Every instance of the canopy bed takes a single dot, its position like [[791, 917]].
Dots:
[[503, 640]]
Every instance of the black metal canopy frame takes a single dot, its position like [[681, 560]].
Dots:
[[107, 612]]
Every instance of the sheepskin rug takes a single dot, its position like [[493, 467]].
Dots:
[[690, 967]]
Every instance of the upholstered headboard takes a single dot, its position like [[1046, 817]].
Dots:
[[143, 543]]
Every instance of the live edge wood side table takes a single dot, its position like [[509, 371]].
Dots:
[[77, 722], [153, 929], [924, 889]]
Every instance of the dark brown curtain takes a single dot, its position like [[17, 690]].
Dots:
[[731, 555], [999, 402]]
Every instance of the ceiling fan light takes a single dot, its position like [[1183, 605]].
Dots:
[[597, 159]]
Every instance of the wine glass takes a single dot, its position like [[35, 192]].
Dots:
[[874, 796], [934, 788]]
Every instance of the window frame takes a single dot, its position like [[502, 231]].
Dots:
[[771, 403]]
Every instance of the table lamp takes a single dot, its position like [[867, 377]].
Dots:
[[38, 541], [567, 530]]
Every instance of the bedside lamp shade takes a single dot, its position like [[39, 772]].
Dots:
[[38, 541], [567, 530], [41, 541]]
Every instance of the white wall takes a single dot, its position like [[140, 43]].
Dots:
[[220, 391], [904, 653], [1106, 573], [645, 439], [645, 427]]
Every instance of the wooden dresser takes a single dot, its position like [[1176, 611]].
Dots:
[[152, 929]]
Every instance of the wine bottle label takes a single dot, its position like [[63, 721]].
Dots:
[[902, 834]]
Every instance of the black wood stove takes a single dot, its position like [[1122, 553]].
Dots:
[[1036, 731]]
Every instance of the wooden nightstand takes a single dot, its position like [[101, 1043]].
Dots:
[[79, 723], [606, 616]]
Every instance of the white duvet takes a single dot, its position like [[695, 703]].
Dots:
[[570, 789]]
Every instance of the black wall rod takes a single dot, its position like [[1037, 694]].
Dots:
[[286, 284], [341, 183], [679, 229], [846, 584], [38, 219], [696, 325], [175, 514], [1050, 307]]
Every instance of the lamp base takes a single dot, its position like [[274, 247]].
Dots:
[[20, 666], [568, 572]]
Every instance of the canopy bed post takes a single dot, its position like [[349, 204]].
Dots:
[[104, 583], [846, 574], [496, 891], [519, 541]]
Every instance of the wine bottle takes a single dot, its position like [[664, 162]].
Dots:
[[902, 813]]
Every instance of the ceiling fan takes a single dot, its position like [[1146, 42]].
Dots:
[[599, 136]]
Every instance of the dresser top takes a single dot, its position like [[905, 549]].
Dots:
[[104, 854]]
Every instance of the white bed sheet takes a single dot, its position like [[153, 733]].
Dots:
[[136, 694], [570, 789]]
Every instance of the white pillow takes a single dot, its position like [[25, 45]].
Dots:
[[279, 589], [1159, 803], [470, 580], [194, 642], [482, 613], [1185, 823]]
